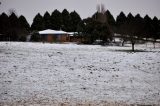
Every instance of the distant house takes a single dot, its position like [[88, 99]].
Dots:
[[76, 37], [54, 36]]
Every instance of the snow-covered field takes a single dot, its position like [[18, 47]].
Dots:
[[70, 74]]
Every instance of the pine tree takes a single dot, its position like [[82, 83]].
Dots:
[[47, 20], [120, 23], [4, 27], [121, 26], [76, 19], [4, 23], [88, 30], [121, 19], [38, 23], [13, 19], [147, 27], [155, 30], [23, 23], [80, 27], [139, 27], [130, 18], [97, 30], [102, 30], [159, 29], [56, 20], [24, 28], [131, 28], [111, 20], [14, 27], [66, 21]]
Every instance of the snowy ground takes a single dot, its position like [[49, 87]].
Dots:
[[47, 74]]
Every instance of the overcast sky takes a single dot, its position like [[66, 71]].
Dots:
[[86, 8]]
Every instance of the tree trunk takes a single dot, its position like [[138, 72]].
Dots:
[[123, 42], [146, 42], [154, 45], [133, 46]]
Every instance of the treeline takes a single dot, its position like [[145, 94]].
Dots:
[[13, 28], [57, 21], [129, 27], [134, 28]]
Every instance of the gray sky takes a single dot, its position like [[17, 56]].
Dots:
[[86, 8]]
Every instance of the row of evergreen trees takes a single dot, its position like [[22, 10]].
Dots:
[[130, 27], [58, 21], [13, 28], [135, 28]]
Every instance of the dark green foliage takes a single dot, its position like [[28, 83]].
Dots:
[[95, 30], [23, 23], [35, 37], [76, 19], [121, 27], [12, 35], [80, 27], [129, 28], [24, 28], [147, 27], [110, 18], [66, 21], [38, 23], [159, 29], [22, 38], [120, 23], [88, 31], [56, 20], [111, 21], [100, 26], [130, 25], [121, 19], [4, 23], [13, 19], [139, 26], [19, 28], [156, 28], [13, 28], [47, 21], [136, 28]]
